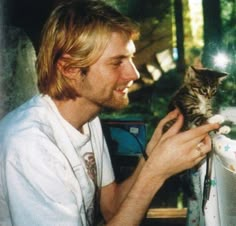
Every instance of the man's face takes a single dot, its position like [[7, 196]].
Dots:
[[107, 81]]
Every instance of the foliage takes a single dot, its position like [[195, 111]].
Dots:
[[228, 21], [121, 5], [150, 103], [227, 96]]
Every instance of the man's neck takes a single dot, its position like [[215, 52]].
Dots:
[[77, 112]]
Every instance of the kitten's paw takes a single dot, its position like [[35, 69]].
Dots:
[[216, 119], [224, 130]]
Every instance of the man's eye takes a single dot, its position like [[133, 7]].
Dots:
[[117, 63]]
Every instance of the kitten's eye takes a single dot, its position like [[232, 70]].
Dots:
[[203, 91], [213, 91], [195, 89]]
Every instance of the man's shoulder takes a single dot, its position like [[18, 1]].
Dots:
[[30, 111], [26, 122]]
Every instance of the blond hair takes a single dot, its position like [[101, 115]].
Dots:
[[80, 29]]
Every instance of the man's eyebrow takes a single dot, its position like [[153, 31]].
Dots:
[[120, 57]]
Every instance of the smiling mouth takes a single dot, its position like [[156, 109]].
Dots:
[[124, 90]]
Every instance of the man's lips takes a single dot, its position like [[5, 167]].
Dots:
[[124, 89]]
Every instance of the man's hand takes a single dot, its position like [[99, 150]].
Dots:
[[174, 151], [159, 130], [169, 153]]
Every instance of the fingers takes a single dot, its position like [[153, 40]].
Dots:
[[170, 116], [175, 128], [185, 149], [201, 150], [207, 141], [198, 133], [158, 131], [204, 146], [201, 153], [197, 142], [181, 155]]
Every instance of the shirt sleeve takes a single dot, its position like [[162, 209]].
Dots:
[[38, 185]]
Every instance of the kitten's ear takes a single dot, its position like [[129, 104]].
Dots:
[[221, 75], [196, 70], [190, 74]]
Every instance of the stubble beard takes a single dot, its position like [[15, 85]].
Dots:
[[115, 103]]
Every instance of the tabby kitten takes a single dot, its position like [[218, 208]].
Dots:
[[194, 100], [194, 97]]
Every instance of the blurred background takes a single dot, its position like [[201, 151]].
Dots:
[[174, 35]]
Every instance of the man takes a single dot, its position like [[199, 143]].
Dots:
[[54, 161]]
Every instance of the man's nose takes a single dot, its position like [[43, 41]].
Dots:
[[132, 73]]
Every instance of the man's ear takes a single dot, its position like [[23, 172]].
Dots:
[[68, 72]]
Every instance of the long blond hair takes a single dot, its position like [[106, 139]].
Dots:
[[80, 29]]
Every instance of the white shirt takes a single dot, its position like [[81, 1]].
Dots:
[[48, 174]]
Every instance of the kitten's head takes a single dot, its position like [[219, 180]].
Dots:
[[204, 81]]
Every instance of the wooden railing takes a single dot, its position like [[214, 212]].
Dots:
[[166, 213]]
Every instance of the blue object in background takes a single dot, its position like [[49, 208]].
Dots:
[[125, 137]]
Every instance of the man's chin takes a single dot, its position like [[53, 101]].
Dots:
[[115, 105]]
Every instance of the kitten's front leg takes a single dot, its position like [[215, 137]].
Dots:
[[219, 119]]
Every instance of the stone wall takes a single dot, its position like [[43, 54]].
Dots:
[[18, 80]]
